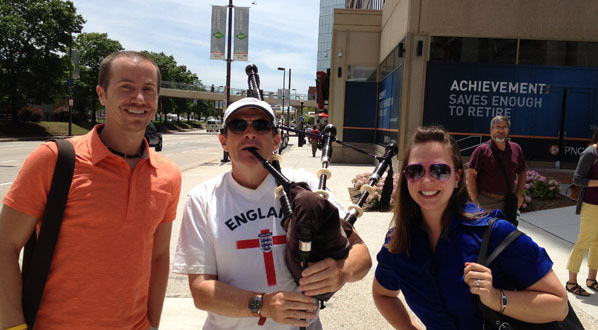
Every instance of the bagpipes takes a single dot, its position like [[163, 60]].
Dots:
[[314, 227], [328, 135]]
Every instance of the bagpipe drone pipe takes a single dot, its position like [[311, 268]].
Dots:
[[355, 211], [315, 229]]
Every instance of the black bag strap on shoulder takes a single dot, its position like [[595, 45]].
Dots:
[[39, 251], [502, 168], [483, 257]]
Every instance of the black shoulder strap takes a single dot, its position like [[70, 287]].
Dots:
[[483, 257], [39, 252], [502, 168], [485, 243]]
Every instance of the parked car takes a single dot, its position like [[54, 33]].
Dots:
[[153, 136], [213, 125], [284, 141]]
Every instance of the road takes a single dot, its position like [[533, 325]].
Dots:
[[187, 149], [12, 156]]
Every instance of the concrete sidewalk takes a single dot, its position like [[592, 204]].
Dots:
[[352, 307]]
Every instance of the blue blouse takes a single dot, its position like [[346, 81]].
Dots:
[[432, 281]]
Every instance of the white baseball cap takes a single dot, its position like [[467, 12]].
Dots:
[[249, 102]]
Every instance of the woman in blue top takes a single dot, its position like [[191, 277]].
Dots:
[[430, 252]]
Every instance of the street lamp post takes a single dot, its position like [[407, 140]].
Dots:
[[284, 73], [296, 119], [289, 107]]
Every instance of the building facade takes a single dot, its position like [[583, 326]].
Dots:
[[326, 21], [325, 31], [458, 64]]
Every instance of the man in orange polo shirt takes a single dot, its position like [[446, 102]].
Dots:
[[110, 267]]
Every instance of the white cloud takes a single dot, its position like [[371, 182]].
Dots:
[[282, 33]]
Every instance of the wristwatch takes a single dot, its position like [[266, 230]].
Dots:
[[503, 301], [255, 307]]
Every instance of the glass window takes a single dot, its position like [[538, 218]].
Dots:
[[552, 52], [473, 50], [398, 57], [387, 64], [361, 73], [393, 60]]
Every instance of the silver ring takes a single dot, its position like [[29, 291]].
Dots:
[[477, 283]]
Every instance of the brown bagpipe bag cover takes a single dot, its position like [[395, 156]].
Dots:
[[332, 236]]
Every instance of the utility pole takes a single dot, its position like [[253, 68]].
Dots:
[[289, 107], [228, 61], [70, 83], [228, 46], [284, 73]]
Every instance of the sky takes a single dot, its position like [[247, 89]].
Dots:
[[282, 33]]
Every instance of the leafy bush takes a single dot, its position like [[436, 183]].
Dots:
[[24, 114], [36, 115], [540, 187], [60, 114], [373, 200]]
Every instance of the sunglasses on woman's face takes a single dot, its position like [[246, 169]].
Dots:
[[240, 125], [438, 171]]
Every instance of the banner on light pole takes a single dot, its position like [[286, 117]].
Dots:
[[76, 58], [218, 34], [240, 50]]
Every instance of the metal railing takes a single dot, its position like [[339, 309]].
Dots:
[[221, 89], [476, 143]]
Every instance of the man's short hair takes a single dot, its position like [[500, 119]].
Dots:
[[498, 119], [104, 76]]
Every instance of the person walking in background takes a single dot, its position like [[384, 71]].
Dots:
[[111, 263], [308, 129], [586, 176], [485, 179], [430, 252], [314, 141]]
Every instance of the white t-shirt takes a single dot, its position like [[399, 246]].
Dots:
[[235, 233]]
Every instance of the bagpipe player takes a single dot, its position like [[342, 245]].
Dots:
[[232, 243]]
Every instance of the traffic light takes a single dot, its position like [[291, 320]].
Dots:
[[322, 84]]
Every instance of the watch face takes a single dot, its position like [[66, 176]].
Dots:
[[255, 304]]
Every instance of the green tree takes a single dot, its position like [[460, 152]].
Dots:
[[172, 72], [34, 36], [92, 47]]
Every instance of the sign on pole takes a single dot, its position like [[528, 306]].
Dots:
[[76, 62], [286, 95], [218, 33], [241, 34]]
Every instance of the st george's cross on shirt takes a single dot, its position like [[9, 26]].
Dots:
[[265, 241]]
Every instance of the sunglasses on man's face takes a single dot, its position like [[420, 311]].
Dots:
[[438, 171], [240, 125]]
